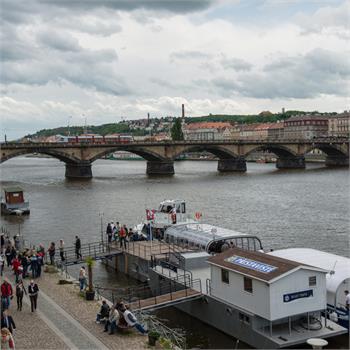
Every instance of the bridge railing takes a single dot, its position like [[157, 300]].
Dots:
[[171, 142]]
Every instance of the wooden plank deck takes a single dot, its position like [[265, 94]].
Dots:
[[165, 299], [146, 249]]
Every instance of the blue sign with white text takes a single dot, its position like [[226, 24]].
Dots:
[[297, 295], [251, 264]]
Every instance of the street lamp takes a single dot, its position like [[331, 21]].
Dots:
[[101, 217], [69, 118]]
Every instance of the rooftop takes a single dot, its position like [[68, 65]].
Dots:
[[12, 189], [255, 264], [208, 125]]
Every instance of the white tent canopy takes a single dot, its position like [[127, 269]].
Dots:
[[203, 235], [338, 277]]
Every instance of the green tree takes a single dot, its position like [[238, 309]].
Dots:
[[176, 131]]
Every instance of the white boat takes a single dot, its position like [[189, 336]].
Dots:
[[170, 212]]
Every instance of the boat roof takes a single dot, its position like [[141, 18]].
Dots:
[[257, 265], [338, 266], [11, 189], [202, 234], [166, 201]]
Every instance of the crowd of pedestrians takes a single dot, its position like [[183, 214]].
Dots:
[[122, 234], [24, 263]]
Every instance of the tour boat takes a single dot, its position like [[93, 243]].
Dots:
[[13, 202]]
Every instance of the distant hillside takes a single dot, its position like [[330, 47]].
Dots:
[[263, 117], [124, 127], [103, 129]]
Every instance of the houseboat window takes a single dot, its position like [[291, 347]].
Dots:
[[225, 276], [248, 284], [15, 194], [312, 281]]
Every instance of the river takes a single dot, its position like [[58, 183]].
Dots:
[[295, 208]]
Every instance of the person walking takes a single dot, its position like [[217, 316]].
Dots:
[[2, 264], [109, 232], [7, 342], [82, 278], [6, 294], [16, 263], [52, 252], [78, 248], [33, 291], [7, 321], [61, 249], [20, 291], [122, 236], [8, 255]]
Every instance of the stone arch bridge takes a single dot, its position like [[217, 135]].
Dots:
[[160, 156]]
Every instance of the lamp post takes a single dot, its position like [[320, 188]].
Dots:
[[69, 118], [101, 217]]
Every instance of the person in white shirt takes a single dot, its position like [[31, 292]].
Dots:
[[132, 320]]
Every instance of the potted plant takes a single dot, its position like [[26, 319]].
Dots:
[[90, 293], [153, 336]]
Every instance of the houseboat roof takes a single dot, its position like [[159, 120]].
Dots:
[[203, 234], [262, 266], [337, 266], [12, 189]]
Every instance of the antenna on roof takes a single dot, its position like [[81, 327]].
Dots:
[[332, 272]]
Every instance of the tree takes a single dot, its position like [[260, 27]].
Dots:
[[176, 131]]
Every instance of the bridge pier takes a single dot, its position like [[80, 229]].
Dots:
[[297, 162], [233, 164], [160, 168], [337, 161], [81, 170]]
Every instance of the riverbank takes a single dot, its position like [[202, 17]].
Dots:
[[65, 320]]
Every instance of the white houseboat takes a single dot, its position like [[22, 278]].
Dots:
[[263, 300], [337, 278]]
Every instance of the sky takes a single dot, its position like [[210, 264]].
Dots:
[[67, 61]]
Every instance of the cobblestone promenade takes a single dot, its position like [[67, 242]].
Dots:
[[64, 320]]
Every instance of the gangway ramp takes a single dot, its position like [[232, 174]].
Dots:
[[96, 250], [165, 300]]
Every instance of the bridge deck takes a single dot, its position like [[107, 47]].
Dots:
[[165, 299]]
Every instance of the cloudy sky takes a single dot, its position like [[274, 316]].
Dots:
[[66, 60]]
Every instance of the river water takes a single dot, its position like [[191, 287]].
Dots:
[[296, 208]]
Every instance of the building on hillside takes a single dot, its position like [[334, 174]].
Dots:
[[207, 131], [306, 127], [275, 131], [338, 125]]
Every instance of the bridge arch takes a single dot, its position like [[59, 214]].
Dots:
[[64, 157], [146, 154], [218, 151], [279, 150], [329, 149]]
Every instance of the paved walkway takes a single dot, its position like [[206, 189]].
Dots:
[[64, 320]]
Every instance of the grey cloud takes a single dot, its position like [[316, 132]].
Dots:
[[318, 72], [186, 55], [236, 64], [176, 6], [59, 41]]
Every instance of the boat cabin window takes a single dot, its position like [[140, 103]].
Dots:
[[183, 207], [243, 318], [178, 209], [312, 281], [225, 276], [166, 208], [248, 284]]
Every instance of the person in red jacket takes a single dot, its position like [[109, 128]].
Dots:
[[6, 294], [16, 263]]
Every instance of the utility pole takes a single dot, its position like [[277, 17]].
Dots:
[[101, 217]]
